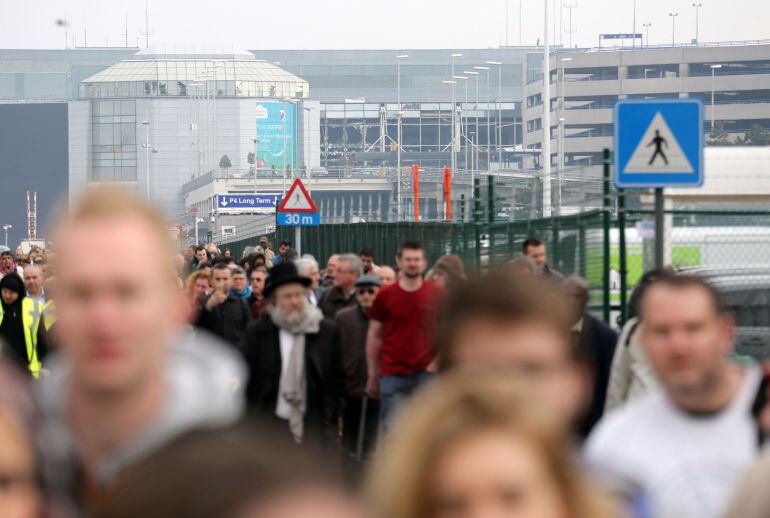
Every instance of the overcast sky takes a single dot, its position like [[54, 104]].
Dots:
[[355, 24]]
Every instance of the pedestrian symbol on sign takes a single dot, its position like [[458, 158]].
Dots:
[[658, 142], [658, 151]]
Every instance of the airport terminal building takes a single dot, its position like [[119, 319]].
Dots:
[[732, 81], [160, 120], [151, 118]]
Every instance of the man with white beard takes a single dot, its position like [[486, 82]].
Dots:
[[295, 362]]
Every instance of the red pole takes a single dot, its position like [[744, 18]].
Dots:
[[416, 184], [448, 193]]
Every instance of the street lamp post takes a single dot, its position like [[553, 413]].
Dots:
[[306, 144], [673, 27], [486, 111], [697, 7], [398, 132], [714, 68], [499, 132], [462, 136], [197, 220], [562, 129], [255, 140], [647, 32], [546, 148], [283, 154], [147, 148], [475, 76], [454, 135], [6, 228]]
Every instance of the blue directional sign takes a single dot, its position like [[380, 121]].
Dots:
[[658, 143], [263, 202], [622, 36], [298, 219]]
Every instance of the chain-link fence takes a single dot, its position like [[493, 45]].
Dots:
[[730, 248], [575, 243]]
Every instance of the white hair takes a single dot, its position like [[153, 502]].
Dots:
[[354, 262], [306, 264]]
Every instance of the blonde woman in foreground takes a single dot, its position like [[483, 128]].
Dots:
[[474, 445]]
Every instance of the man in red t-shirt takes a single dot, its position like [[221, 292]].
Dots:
[[399, 346]]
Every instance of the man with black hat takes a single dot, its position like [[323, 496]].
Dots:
[[296, 373], [353, 324]]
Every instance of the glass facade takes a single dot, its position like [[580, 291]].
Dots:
[[181, 78], [113, 130], [350, 129]]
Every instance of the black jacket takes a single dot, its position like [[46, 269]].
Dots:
[[597, 345], [228, 320], [323, 367], [354, 326], [334, 300]]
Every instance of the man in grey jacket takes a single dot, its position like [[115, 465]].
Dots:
[[128, 381]]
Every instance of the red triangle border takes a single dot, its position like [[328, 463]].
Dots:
[[297, 183]]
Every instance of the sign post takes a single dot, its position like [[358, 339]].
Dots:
[[658, 144], [298, 209]]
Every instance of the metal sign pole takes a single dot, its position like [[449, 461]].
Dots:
[[659, 230], [297, 238]]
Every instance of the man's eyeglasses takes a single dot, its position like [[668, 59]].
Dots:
[[368, 291]]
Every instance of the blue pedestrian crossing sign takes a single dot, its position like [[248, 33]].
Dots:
[[658, 143]]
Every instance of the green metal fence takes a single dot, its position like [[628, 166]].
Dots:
[[575, 243], [587, 244]]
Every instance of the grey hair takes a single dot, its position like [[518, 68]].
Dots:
[[354, 261], [305, 264]]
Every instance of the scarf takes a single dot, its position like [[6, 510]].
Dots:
[[245, 294], [293, 384]]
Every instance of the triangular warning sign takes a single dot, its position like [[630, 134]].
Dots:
[[658, 151], [297, 199]]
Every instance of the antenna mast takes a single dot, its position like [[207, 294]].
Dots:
[[31, 215], [147, 31]]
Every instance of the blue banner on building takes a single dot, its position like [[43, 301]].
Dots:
[[276, 135]]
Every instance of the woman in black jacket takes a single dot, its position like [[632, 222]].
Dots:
[[12, 294]]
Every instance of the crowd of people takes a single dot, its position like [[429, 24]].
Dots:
[[144, 381]]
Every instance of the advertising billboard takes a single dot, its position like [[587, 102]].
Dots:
[[276, 135]]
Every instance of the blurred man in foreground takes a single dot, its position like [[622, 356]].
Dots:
[[245, 471], [519, 323], [127, 380], [685, 448]]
